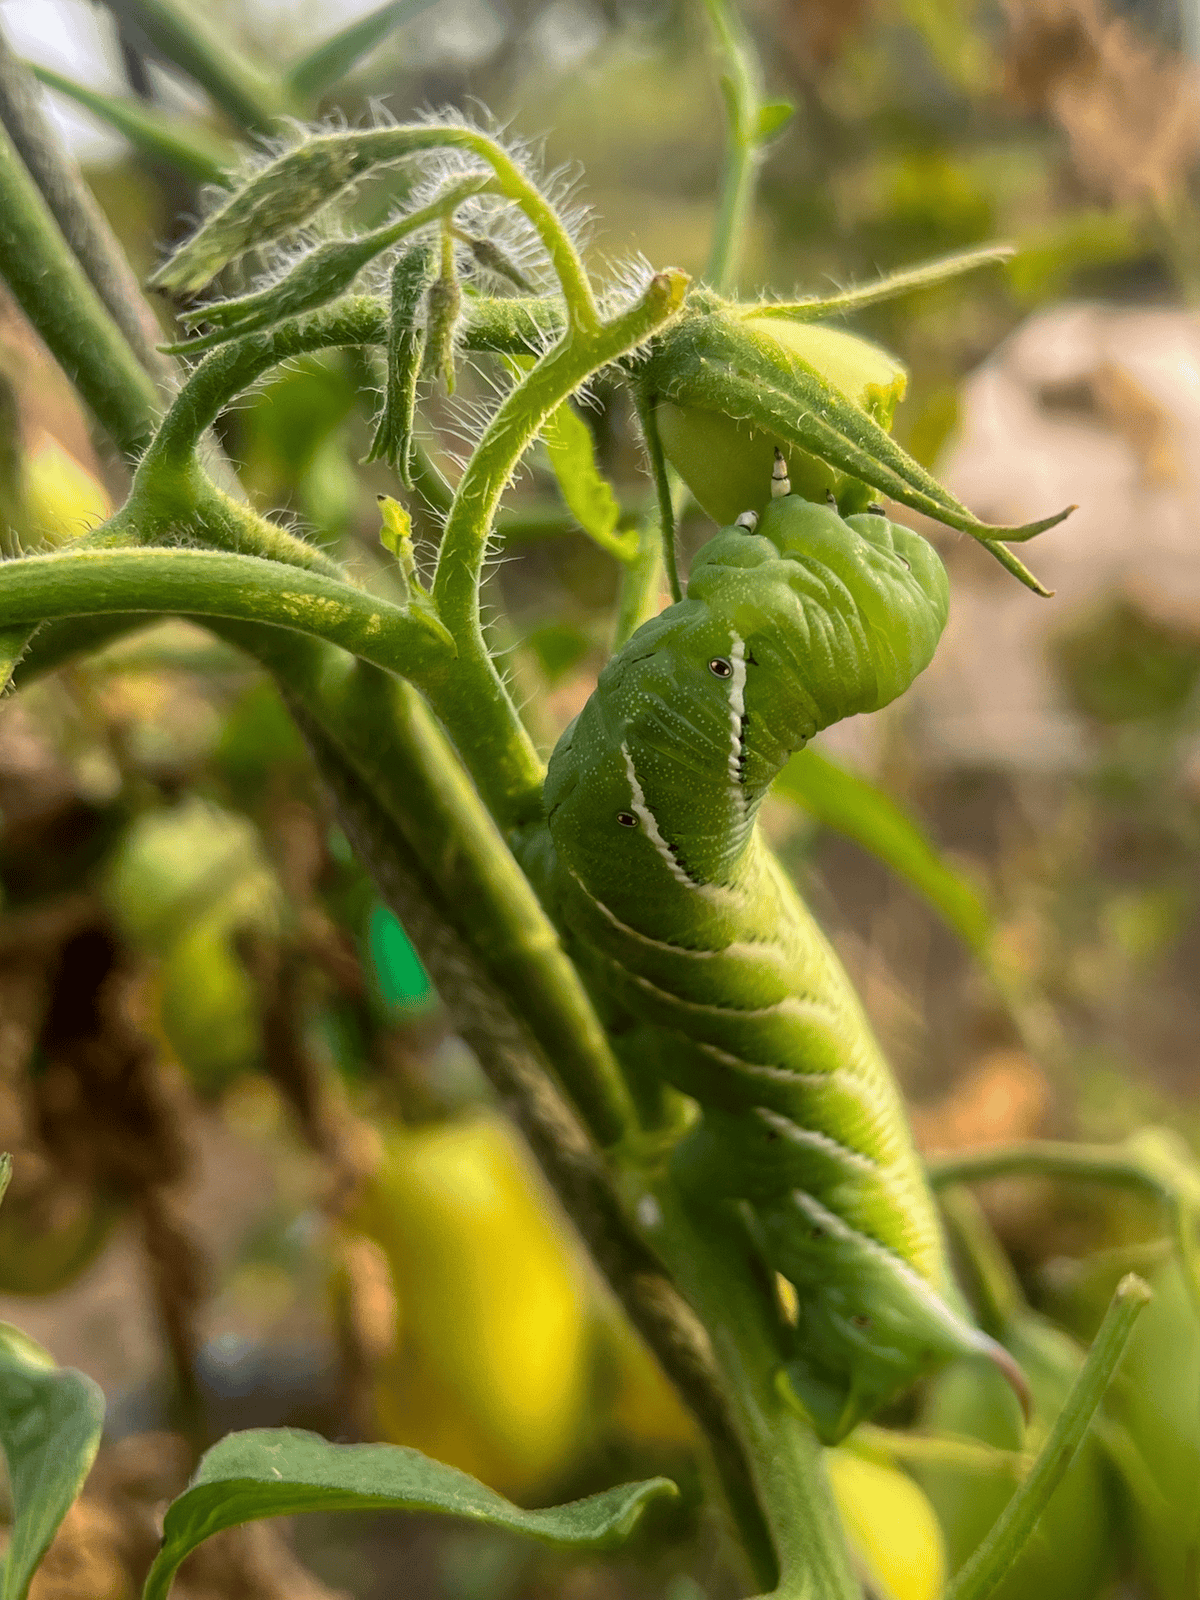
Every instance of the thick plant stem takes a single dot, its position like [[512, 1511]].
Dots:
[[56, 296], [987, 1567], [207, 583], [579, 1177], [83, 224], [388, 738], [804, 1556]]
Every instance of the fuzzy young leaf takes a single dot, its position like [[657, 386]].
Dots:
[[319, 277], [586, 490], [278, 1472], [851, 806], [393, 441], [396, 535], [309, 77], [198, 153], [289, 191], [50, 1424], [491, 258]]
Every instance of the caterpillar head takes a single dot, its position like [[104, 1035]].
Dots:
[[787, 626], [861, 601]]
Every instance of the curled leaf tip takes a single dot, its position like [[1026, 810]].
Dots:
[[1029, 530]]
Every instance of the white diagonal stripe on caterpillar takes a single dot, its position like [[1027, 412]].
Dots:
[[645, 816]]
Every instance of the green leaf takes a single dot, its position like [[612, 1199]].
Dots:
[[851, 806], [328, 270], [773, 116], [889, 287], [292, 189], [718, 365], [277, 1472], [50, 1424], [5, 1173], [311, 75], [194, 151], [587, 492]]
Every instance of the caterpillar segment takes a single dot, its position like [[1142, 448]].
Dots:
[[683, 921]]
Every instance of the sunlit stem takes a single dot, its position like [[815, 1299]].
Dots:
[[648, 417], [1152, 1162], [741, 84], [907, 281]]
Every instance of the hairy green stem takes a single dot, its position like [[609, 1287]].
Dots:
[[473, 701], [207, 583], [57, 297], [800, 1553], [987, 1567], [647, 416]]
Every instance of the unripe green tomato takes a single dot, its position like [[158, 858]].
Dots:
[[1072, 1551], [40, 1253], [209, 1007], [727, 463], [1155, 1395]]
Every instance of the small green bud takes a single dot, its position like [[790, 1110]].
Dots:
[[393, 439], [491, 258], [443, 309], [396, 535]]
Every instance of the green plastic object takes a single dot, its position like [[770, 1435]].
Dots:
[[403, 982]]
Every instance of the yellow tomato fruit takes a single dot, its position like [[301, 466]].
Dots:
[[62, 497], [727, 464], [490, 1370], [892, 1529]]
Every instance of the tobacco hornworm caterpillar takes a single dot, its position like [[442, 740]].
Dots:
[[683, 922]]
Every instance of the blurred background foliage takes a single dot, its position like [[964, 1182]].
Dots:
[[257, 1180]]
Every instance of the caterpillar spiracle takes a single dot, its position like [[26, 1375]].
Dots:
[[684, 925]]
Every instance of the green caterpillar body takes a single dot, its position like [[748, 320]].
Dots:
[[681, 919]]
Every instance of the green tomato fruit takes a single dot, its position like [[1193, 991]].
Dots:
[[209, 1007], [1072, 1552], [727, 464], [45, 1244]]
